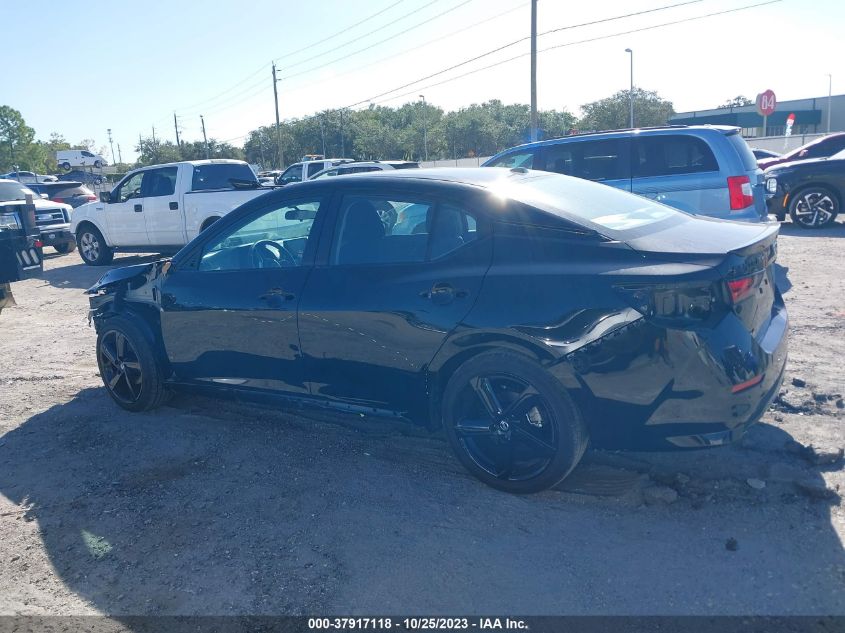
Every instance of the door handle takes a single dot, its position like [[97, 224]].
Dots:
[[138, 208], [174, 206], [277, 293], [442, 293]]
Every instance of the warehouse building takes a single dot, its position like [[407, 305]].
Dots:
[[811, 117]]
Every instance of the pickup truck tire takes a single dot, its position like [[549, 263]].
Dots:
[[92, 246], [65, 247], [208, 223], [128, 366]]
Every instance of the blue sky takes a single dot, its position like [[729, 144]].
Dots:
[[80, 68]]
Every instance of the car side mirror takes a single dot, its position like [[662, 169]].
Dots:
[[105, 196], [802, 153], [44, 196]]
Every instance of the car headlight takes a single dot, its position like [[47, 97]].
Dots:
[[10, 221], [772, 185]]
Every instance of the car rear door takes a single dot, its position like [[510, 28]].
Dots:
[[162, 215], [680, 170], [378, 305]]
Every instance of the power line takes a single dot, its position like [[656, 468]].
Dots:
[[341, 32], [522, 39], [557, 46], [370, 46]]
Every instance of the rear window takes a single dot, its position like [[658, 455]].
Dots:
[[219, 175], [749, 163], [515, 159], [671, 155], [607, 207]]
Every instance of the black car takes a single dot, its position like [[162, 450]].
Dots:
[[84, 177], [72, 193], [530, 314], [811, 191]]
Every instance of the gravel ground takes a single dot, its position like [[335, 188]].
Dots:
[[210, 507]]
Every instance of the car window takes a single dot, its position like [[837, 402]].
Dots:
[[160, 182], [220, 175], [375, 230], [360, 169], [291, 174], [827, 147], [591, 160], [515, 159], [671, 155], [274, 239], [129, 188], [453, 227], [314, 167], [328, 172], [87, 154]]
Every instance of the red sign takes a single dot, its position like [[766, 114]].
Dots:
[[766, 103]]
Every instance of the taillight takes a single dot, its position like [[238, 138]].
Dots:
[[740, 192], [740, 288], [60, 200], [90, 197]]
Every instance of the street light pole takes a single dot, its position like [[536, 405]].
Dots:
[[829, 95], [204, 137], [534, 122], [425, 128], [278, 126], [631, 92]]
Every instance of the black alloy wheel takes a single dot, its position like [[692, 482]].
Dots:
[[128, 366], [511, 424], [814, 208]]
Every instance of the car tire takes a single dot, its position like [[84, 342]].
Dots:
[[98, 164], [92, 246], [208, 223], [526, 437], [128, 366], [65, 166], [65, 247], [814, 207]]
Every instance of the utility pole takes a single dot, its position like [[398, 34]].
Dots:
[[631, 93], [533, 70], [119, 155], [111, 144], [204, 137], [278, 126], [425, 129], [829, 97], [154, 135], [342, 140], [176, 127], [323, 134]]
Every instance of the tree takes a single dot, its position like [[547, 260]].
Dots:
[[614, 112], [16, 141], [736, 102]]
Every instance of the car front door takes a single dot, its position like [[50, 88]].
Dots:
[[380, 302], [162, 215], [229, 309], [125, 212]]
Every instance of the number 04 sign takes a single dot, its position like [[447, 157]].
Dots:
[[766, 104]]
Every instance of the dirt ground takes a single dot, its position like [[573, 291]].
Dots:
[[211, 507]]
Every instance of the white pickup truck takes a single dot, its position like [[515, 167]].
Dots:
[[161, 208]]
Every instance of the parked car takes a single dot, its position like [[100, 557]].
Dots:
[[819, 148], [761, 154], [52, 218], [360, 167], [69, 192], [307, 168], [702, 169], [67, 158], [536, 313], [83, 176], [28, 177], [162, 207], [811, 191]]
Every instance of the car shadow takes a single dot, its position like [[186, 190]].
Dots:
[[83, 276], [216, 508], [782, 278], [837, 229]]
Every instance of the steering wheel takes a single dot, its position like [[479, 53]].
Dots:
[[270, 254]]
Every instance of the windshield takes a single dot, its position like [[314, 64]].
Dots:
[[10, 191], [608, 207], [838, 155]]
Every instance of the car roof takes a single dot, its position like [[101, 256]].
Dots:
[[472, 176]]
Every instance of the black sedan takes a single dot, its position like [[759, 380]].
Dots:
[[811, 191], [526, 313]]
